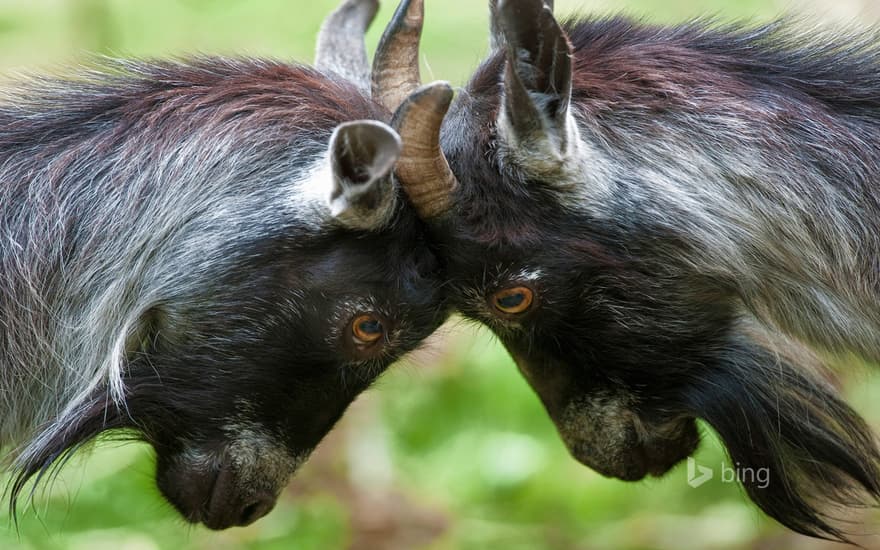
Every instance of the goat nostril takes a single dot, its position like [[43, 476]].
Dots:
[[255, 510], [247, 515]]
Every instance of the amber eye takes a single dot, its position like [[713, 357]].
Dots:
[[513, 301], [367, 329]]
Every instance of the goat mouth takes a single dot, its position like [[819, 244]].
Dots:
[[201, 514], [631, 464], [228, 505], [190, 492]]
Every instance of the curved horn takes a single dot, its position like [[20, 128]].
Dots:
[[341, 47], [396, 64], [422, 168]]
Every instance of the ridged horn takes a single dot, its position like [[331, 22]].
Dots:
[[341, 47], [422, 168], [396, 63]]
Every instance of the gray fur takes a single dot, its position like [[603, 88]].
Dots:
[[799, 248], [791, 228], [91, 243], [702, 179]]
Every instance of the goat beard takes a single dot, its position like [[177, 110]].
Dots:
[[788, 422], [40, 462]]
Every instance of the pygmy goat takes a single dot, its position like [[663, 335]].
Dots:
[[639, 212], [211, 256]]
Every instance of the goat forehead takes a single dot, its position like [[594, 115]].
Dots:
[[503, 274]]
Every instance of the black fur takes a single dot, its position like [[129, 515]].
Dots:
[[170, 191], [640, 324]]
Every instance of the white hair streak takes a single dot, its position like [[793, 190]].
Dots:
[[95, 234]]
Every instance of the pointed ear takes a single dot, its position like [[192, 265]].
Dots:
[[536, 116], [362, 156], [496, 38]]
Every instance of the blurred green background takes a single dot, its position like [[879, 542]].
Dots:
[[451, 449]]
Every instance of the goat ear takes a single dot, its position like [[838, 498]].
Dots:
[[496, 38], [362, 156], [341, 47], [538, 78]]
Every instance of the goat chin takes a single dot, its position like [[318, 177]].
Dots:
[[816, 455], [618, 442]]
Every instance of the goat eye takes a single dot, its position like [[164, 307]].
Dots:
[[513, 301], [367, 329]]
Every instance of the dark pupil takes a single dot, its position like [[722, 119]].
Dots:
[[511, 301], [370, 327]]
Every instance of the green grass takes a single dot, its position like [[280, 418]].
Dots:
[[41, 33], [452, 449]]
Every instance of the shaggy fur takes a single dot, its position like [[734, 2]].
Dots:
[[664, 191], [169, 264]]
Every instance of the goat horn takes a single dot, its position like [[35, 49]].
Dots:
[[422, 168], [341, 47], [396, 64]]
